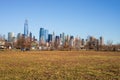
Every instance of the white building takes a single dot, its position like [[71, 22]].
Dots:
[[11, 37]]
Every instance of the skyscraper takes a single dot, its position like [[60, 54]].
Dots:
[[53, 37], [30, 35], [101, 41], [11, 37], [63, 38], [26, 28], [19, 35], [83, 42], [49, 37], [71, 42], [42, 35], [46, 35]]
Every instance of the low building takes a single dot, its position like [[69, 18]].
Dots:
[[2, 44]]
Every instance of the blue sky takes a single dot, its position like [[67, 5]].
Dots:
[[74, 17]]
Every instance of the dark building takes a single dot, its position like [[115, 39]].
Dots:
[[42, 35], [83, 42], [71, 37], [30, 36], [49, 37], [101, 41]]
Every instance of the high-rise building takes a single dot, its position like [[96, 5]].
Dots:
[[101, 41], [11, 37], [30, 36], [71, 42], [53, 37], [46, 35], [19, 35], [67, 38], [49, 37], [42, 35], [57, 38], [2, 37], [34, 39], [26, 28], [57, 41], [63, 38], [83, 42], [92, 38]]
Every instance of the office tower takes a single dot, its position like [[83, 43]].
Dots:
[[2, 37], [19, 35], [68, 38], [57, 38], [83, 42], [60, 35], [46, 35], [42, 35], [11, 37], [101, 41], [53, 37], [71, 37], [57, 41], [71, 42], [30, 36], [26, 29], [63, 38], [91, 38], [34, 38], [49, 37]]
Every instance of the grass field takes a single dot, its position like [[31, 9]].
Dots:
[[59, 65]]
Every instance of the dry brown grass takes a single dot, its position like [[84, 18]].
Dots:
[[59, 65]]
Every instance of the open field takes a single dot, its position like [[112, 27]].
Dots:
[[59, 65]]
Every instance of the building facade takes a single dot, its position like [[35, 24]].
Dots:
[[41, 35], [101, 41], [11, 37], [26, 28], [46, 35]]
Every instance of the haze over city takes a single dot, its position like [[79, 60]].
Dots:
[[74, 17]]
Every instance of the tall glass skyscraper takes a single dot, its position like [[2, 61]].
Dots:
[[42, 35], [26, 28], [49, 37], [46, 35]]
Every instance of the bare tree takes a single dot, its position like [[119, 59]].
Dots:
[[109, 45], [20, 42]]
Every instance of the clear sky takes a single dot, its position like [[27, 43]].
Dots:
[[74, 17]]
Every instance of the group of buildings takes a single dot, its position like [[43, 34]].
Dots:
[[48, 41]]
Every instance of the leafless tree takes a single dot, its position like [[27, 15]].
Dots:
[[20, 42], [109, 45]]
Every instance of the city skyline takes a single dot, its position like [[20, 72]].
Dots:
[[74, 17]]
